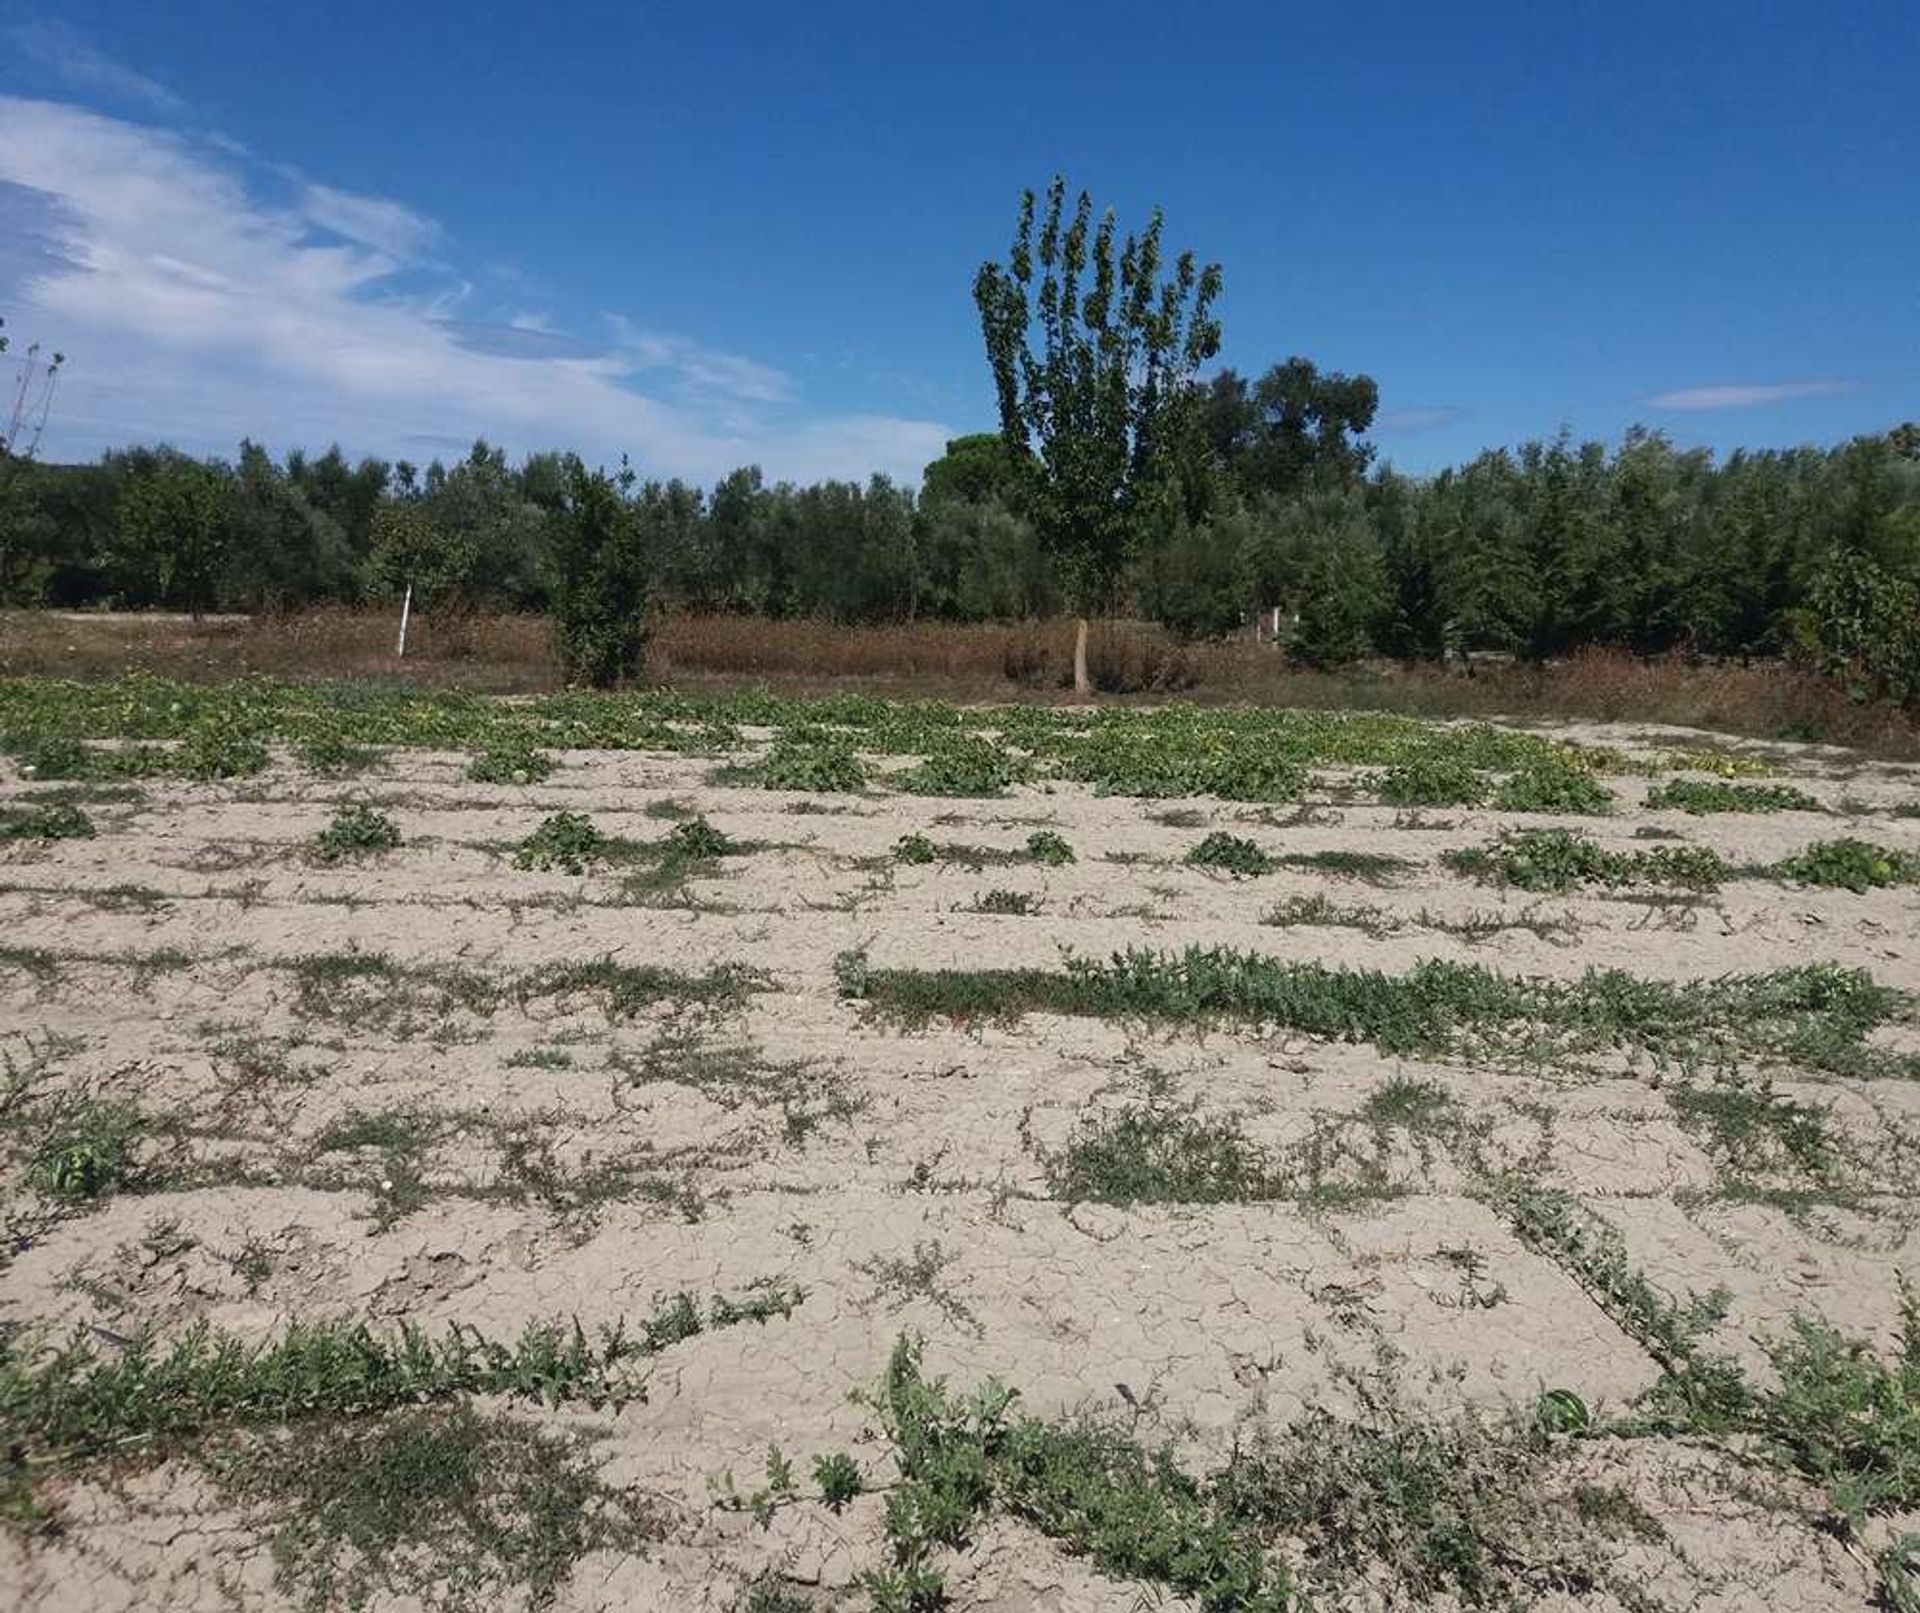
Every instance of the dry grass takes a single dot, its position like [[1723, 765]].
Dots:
[[985, 661]]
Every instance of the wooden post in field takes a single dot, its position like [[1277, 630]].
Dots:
[[406, 608]]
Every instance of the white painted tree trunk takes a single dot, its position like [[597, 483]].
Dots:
[[406, 609], [1082, 684]]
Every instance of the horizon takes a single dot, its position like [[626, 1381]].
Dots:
[[223, 255]]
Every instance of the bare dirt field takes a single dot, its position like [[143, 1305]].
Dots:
[[1432, 1233]]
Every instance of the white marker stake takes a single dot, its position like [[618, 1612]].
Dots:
[[406, 606]]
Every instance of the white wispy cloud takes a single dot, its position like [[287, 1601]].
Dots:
[[372, 221], [201, 296], [58, 48], [1743, 397]]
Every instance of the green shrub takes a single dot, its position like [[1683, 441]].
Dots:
[[915, 849], [1697, 797], [1559, 860], [84, 1148], [566, 841], [599, 575], [54, 756], [1048, 848], [216, 751], [54, 820], [1431, 780], [695, 839], [1231, 854], [356, 829], [511, 759], [1553, 786], [811, 760], [963, 765], [1011, 904], [1849, 864]]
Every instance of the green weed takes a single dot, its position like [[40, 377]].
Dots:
[[510, 759], [1849, 864], [1231, 854], [355, 831], [1697, 797]]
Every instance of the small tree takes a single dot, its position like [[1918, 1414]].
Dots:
[[600, 591], [1093, 358], [177, 519]]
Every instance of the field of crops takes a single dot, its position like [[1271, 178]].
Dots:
[[605, 1152]]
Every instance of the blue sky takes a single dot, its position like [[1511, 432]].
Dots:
[[707, 235]]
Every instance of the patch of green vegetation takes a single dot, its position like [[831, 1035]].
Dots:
[[1431, 780], [804, 758], [1048, 849], [1723, 764], [1178, 817], [1698, 797], [1043, 846], [442, 1507], [1816, 1015], [564, 842], [356, 830], [1320, 909], [1849, 864], [1158, 1154], [328, 751], [1010, 904], [74, 1400], [1476, 1511], [1231, 854], [1751, 1130], [1559, 860], [903, 1279], [1553, 785], [1406, 1104], [963, 765], [669, 809], [510, 759], [57, 821], [1368, 867], [218, 750], [79, 1148]]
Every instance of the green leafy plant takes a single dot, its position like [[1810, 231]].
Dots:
[[1012, 904], [83, 1148], [1849, 864], [1049, 849], [1560, 860], [356, 830], [1231, 854], [510, 759], [1431, 780], [1553, 785], [838, 1477], [963, 765], [216, 750], [565, 841], [57, 820], [1697, 796]]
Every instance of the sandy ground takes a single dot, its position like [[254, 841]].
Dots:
[[1209, 1318]]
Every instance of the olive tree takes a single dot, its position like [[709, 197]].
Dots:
[[1093, 354]]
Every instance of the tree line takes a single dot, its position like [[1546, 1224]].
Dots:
[[1120, 480]]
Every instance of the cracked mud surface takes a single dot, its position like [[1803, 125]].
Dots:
[[798, 1137]]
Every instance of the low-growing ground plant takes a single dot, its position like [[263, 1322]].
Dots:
[[566, 842], [1849, 864], [1368, 867], [808, 759], [1559, 860], [963, 765], [1231, 854], [79, 1148], [1049, 849], [217, 751], [1158, 1154], [1698, 797], [1012, 904], [56, 820], [329, 751], [443, 1507], [1554, 785], [356, 830], [510, 759], [1431, 780]]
